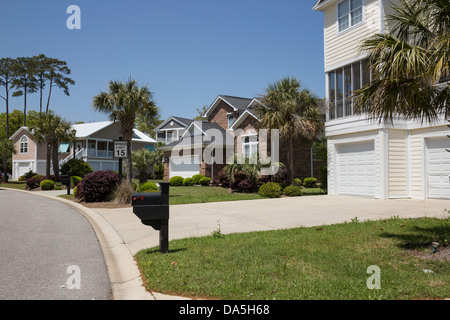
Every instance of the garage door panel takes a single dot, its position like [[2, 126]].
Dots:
[[438, 168], [184, 167], [356, 169]]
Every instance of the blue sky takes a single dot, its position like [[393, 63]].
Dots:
[[186, 51]]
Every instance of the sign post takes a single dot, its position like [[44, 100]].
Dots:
[[120, 152]]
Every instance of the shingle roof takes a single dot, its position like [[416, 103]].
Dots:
[[237, 102], [186, 121], [193, 139]]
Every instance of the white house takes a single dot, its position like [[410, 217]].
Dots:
[[366, 158], [94, 144]]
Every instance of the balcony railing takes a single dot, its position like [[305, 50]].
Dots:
[[94, 153]]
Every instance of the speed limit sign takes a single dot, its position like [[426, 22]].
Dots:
[[120, 149]]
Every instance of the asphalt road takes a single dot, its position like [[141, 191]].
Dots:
[[48, 251]]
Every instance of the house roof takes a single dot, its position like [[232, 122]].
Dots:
[[193, 138], [237, 103], [85, 130], [184, 122], [321, 4]]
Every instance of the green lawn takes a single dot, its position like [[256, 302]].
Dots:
[[183, 195], [14, 185], [330, 262]]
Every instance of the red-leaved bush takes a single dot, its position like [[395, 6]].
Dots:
[[98, 186]]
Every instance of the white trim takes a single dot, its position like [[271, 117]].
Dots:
[[193, 124], [381, 21], [167, 121], [241, 118]]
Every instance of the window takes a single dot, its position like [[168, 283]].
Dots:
[[230, 120], [349, 14], [250, 146], [341, 84], [24, 144]]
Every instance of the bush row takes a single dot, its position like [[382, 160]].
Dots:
[[197, 179]]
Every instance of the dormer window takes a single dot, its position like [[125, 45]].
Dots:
[[349, 13], [230, 120]]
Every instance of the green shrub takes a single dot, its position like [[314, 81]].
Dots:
[[74, 180], [47, 185], [176, 181], [147, 187], [188, 182], [34, 182], [205, 181], [293, 191], [270, 190], [297, 182], [197, 177], [310, 182], [77, 167]]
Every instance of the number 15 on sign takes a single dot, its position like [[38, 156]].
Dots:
[[120, 149]]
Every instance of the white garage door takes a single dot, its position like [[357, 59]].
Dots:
[[438, 160], [183, 166], [356, 169], [22, 168]]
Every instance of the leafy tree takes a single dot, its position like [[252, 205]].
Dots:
[[124, 102], [51, 129], [56, 72], [201, 113], [24, 80], [410, 65], [294, 111]]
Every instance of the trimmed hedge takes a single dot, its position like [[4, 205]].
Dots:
[[310, 183], [74, 180], [270, 190], [196, 178], [47, 185], [176, 181], [205, 181], [293, 191], [147, 187], [187, 182]]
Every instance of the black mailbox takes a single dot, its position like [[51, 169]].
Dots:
[[65, 179], [153, 210]]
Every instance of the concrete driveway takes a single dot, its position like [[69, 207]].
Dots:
[[201, 219]]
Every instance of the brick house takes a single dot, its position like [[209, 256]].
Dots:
[[232, 121]]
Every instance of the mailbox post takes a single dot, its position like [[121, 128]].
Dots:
[[153, 210]]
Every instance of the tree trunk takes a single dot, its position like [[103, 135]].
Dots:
[[47, 165], [291, 162], [49, 94], [5, 154], [129, 164], [55, 160], [25, 105]]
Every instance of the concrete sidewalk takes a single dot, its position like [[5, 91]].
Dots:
[[121, 233]]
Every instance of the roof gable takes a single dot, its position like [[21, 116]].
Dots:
[[237, 103]]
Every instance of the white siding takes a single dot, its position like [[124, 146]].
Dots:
[[344, 47], [397, 162]]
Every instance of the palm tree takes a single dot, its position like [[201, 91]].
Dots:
[[410, 65], [124, 102], [51, 129], [294, 111], [142, 159]]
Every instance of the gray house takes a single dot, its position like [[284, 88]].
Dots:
[[172, 129]]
